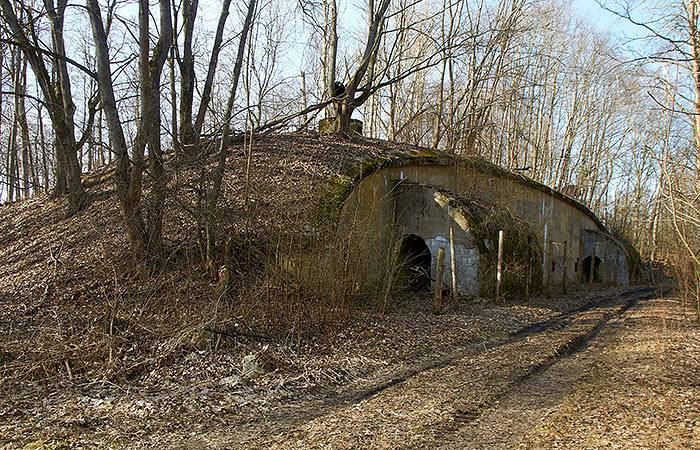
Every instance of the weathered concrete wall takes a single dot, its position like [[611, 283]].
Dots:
[[424, 212], [369, 215]]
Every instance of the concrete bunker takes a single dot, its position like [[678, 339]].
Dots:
[[429, 217], [375, 193], [424, 216], [612, 259], [460, 205]]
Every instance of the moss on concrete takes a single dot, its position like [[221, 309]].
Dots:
[[330, 204], [424, 156]]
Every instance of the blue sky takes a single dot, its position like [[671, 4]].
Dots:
[[605, 20]]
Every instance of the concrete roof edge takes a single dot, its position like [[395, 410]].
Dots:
[[433, 157]]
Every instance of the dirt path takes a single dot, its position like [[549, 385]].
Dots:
[[483, 396], [641, 393], [503, 424]]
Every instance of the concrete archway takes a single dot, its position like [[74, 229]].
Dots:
[[415, 260], [586, 267]]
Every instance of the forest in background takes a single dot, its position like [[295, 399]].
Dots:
[[530, 85]]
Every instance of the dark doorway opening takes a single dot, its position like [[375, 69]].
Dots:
[[586, 267], [414, 255]]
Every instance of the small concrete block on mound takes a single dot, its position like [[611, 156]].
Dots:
[[327, 126]]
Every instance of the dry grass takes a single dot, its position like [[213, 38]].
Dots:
[[187, 395]]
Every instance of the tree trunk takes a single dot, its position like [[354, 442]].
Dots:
[[12, 180], [24, 130], [34, 170], [187, 75], [437, 137], [128, 179], [150, 71], [343, 118], [56, 90], [2, 63], [44, 153], [330, 48], [350, 102], [210, 216], [66, 112], [211, 70], [173, 102], [15, 62], [100, 142], [695, 45]]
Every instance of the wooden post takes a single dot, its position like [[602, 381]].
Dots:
[[581, 255], [437, 303], [564, 266], [545, 261], [548, 269], [453, 268], [545, 257], [592, 270], [528, 275], [499, 267]]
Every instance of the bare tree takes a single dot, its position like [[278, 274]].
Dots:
[[190, 131], [327, 26], [21, 112], [215, 192], [150, 71], [55, 86], [356, 93], [675, 45], [12, 157], [144, 240]]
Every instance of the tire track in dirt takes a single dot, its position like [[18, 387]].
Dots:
[[558, 322], [284, 424], [506, 418]]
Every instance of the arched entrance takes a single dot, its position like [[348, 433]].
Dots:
[[586, 267], [415, 261]]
